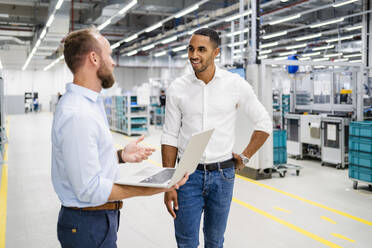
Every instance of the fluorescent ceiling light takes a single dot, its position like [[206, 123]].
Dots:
[[310, 54], [160, 54], [103, 25], [264, 51], [50, 20], [238, 32], [54, 62], [238, 43], [355, 61], [283, 1], [320, 66], [238, 15], [132, 53], [262, 57], [37, 44], [268, 36], [153, 27], [288, 53], [130, 38], [4, 15], [186, 11], [306, 58], [184, 55], [1, 65], [344, 3], [43, 33], [117, 44], [281, 58], [353, 55], [269, 44], [59, 4], [308, 37], [180, 48], [323, 48], [145, 48], [341, 60], [296, 46], [327, 23], [289, 18], [321, 59], [340, 38], [333, 55], [170, 39], [354, 28], [126, 8]]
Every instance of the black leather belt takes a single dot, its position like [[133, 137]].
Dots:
[[214, 166]]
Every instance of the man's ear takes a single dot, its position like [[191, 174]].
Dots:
[[93, 58], [217, 51]]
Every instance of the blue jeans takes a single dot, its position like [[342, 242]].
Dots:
[[88, 229], [208, 191]]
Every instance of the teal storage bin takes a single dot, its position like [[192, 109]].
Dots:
[[280, 138], [360, 158], [360, 173], [280, 155], [361, 128], [360, 144]]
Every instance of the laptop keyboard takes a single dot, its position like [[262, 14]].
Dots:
[[160, 177]]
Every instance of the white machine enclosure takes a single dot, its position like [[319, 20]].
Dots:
[[294, 146], [310, 129]]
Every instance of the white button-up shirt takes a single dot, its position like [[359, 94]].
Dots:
[[193, 106], [84, 161]]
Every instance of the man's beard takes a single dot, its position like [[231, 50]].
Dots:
[[106, 77]]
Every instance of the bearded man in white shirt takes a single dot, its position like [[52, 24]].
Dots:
[[204, 99]]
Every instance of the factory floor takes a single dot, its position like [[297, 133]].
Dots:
[[318, 208]]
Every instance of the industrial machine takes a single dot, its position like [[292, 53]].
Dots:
[[292, 125], [310, 135], [335, 140]]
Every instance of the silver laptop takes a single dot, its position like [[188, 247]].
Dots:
[[150, 175]]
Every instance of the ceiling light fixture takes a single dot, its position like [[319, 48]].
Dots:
[[153, 27], [269, 44], [115, 45], [238, 32], [134, 52], [323, 48], [333, 55], [160, 54], [59, 4], [130, 38], [145, 48], [186, 11], [321, 59], [238, 15], [354, 28], [339, 4], [310, 54], [129, 6], [168, 40], [264, 51], [327, 23], [353, 55], [308, 37], [296, 46], [288, 53], [289, 18], [180, 48], [340, 38], [269, 36]]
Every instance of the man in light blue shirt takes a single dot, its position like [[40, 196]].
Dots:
[[84, 161]]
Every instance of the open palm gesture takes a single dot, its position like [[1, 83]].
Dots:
[[134, 153]]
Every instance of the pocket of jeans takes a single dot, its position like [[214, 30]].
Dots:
[[228, 174]]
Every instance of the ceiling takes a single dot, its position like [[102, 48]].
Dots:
[[24, 45]]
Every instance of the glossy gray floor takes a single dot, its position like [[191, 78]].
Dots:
[[319, 208]]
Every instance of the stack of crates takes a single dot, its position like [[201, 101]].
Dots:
[[360, 151], [285, 103], [280, 147]]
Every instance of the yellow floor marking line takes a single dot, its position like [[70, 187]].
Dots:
[[328, 219], [287, 224], [282, 210], [342, 237], [4, 192], [307, 201]]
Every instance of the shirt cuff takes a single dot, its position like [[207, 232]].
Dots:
[[105, 192], [167, 139], [265, 126]]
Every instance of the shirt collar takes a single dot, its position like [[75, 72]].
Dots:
[[90, 94], [217, 74]]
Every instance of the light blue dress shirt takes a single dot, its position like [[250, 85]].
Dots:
[[84, 161]]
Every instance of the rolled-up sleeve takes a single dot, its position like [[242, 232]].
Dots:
[[172, 122], [81, 160], [253, 108]]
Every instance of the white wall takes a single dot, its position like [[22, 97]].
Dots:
[[46, 83]]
